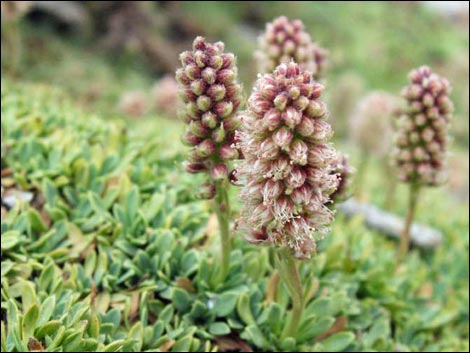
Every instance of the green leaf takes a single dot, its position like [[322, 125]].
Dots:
[[219, 329], [84, 345], [181, 300], [337, 342], [320, 307], [244, 310], [3, 337], [137, 334], [47, 329], [166, 314], [29, 322], [114, 346], [288, 345], [313, 327], [254, 334], [36, 220], [45, 310], [9, 239], [93, 325], [114, 317], [182, 345], [28, 294], [225, 303]]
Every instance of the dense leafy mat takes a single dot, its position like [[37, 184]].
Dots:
[[114, 253]]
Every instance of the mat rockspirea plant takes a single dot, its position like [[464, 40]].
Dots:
[[285, 40], [212, 96], [371, 130], [345, 171], [286, 171], [422, 137]]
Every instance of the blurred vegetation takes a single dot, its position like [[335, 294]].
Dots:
[[105, 247], [125, 46]]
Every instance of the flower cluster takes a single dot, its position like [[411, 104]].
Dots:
[[133, 104], [423, 129], [371, 123], [212, 96], [285, 40], [287, 168], [165, 96], [14, 10], [343, 169]]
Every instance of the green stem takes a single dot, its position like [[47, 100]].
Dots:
[[405, 236], [391, 188], [222, 210], [287, 268]]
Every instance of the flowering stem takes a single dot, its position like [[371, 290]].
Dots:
[[222, 210], [287, 268], [391, 188], [405, 237]]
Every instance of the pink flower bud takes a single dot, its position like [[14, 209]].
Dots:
[[268, 149], [181, 77], [192, 71], [205, 148], [281, 100], [189, 139], [219, 171], [227, 152], [268, 91], [195, 167], [206, 191], [224, 109], [204, 103], [226, 76], [209, 75], [231, 123], [298, 152], [228, 61], [209, 120], [198, 87], [306, 127], [219, 134], [315, 109], [216, 61], [283, 138], [301, 103], [192, 110], [216, 92], [198, 129], [292, 117], [272, 119], [294, 92]]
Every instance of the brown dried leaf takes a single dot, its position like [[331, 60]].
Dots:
[[8, 182], [134, 309], [232, 343], [4, 213], [165, 347], [34, 345], [426, 290], [338, 326], [6, 172], [185, 283]]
